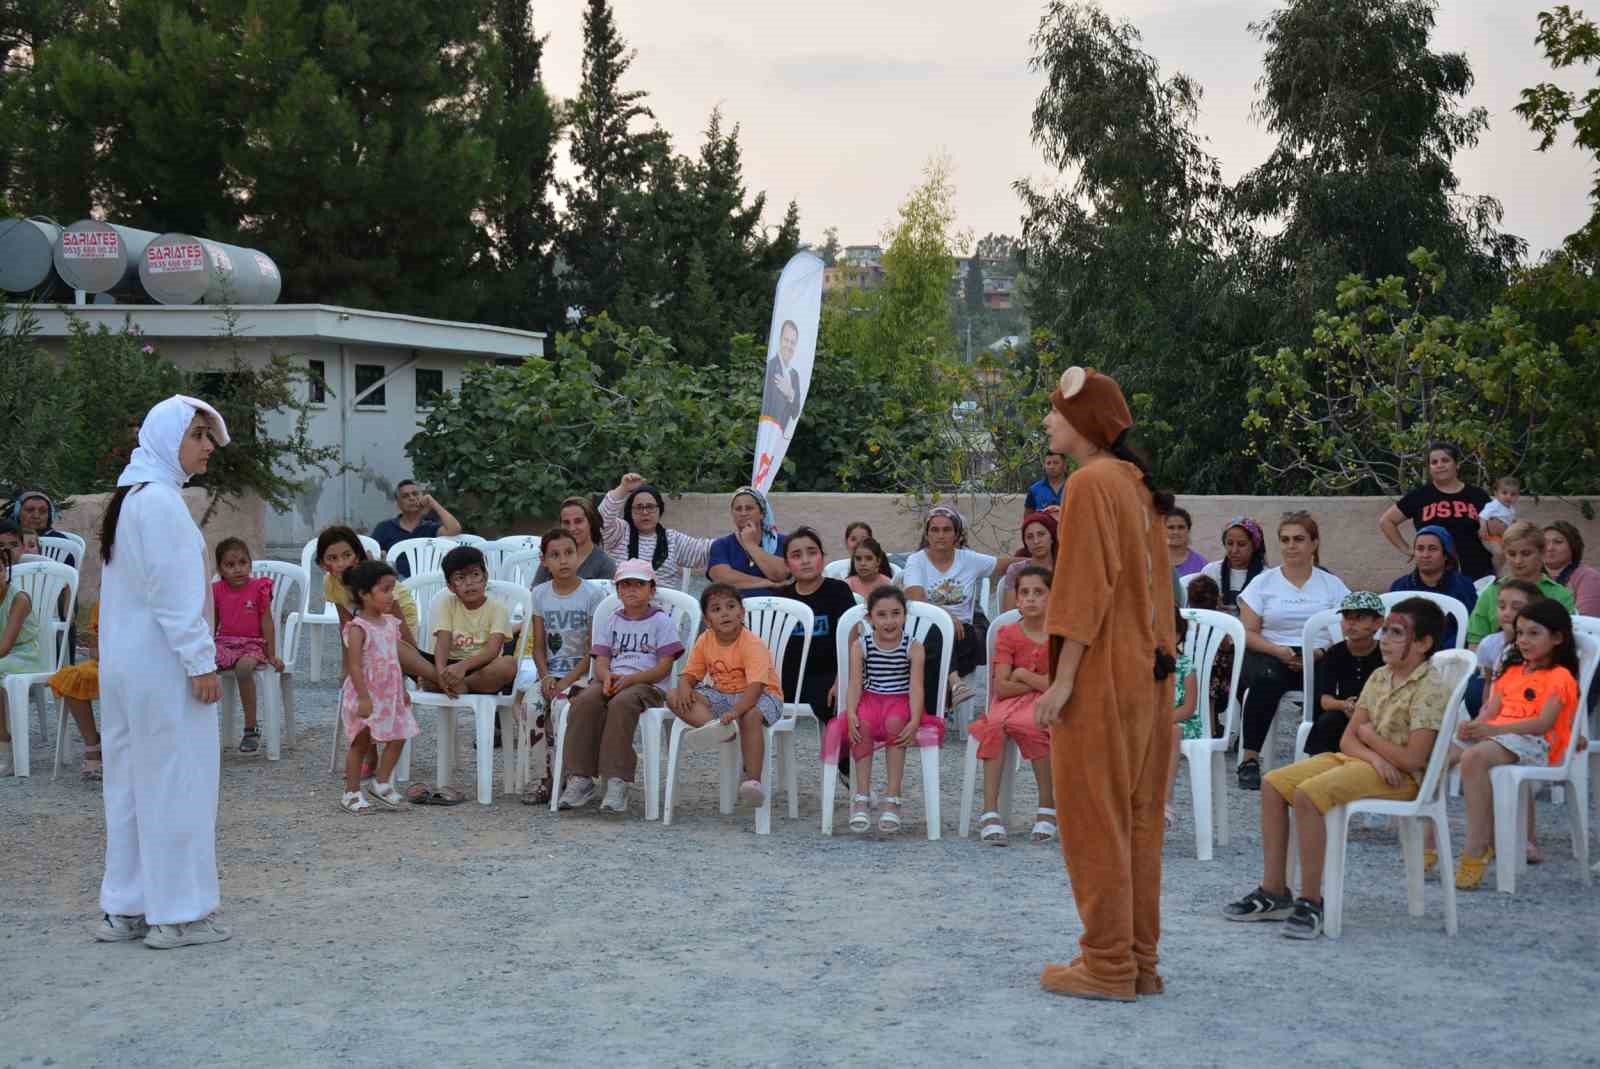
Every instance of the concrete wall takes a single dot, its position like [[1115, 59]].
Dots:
[[1351, 544], [244, 520]]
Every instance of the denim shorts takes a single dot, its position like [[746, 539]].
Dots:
[[722, 704]]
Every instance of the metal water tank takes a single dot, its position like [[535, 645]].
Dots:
[[100, 257], [183, 269], [27, 250]]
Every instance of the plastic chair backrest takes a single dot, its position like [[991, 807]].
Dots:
[[605, 586], [1479, 584], [519, 567], [470, 540], [685, 612], [518, 598], [840, 569], [59, 549], [289, 583], [1448, 605], [422, 555], [518, 543], [424, 590], [1462, 665], [1320, 632], [1588, 659], [313, 567], [1207, 628], [1011, 616], [775, 621], [921, 618], [45, 581]]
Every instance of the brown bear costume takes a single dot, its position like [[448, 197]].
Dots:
[[1110, 748]]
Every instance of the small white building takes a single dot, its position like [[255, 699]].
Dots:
[[380, 370]]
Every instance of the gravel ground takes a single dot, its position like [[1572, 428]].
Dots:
[[495, 935]]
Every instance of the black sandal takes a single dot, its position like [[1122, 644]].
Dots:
[[1258, 905], [251, 742], [1250, 775]]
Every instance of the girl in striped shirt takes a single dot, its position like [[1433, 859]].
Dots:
[[884, 707]]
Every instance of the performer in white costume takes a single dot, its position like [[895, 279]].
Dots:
[[158, 690]]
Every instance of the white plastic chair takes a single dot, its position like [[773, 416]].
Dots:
[[920, 619], [423, 589], [1513, 786], [52, 590], [519, 567], [605, 586], [685, 612], [1207, 785], [498, 550], [1429, 804], [274, 689], [1485, 581], [422, 555], [59, 549], [774, 621], [1447, 605], [1011, 757], [1319, 632], [305, 621], [483, 707], [840, 569]]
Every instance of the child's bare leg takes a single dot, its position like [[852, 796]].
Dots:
[[861, 771], [698, 713], [388, 759], [359, 746], [1274, 841], [1476, 764], [420, 668], [991, 782], [493, 677], [1313, 834], [83, 716], [753, 743], [1047, 785], [894, 759], [244, 670]]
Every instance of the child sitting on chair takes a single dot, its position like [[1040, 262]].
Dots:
[[339, 549], [245, 638], [1021, 674], [472, 651], [559, 630], [1343, 670], [730, 678], [1383, 754]]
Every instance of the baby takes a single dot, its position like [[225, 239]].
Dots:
[[1500, 513]]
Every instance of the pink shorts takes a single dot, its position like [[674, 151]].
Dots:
[[230, 648], [882, 716], [1011, 718]]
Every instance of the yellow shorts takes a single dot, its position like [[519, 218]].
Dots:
[[1332, 779]]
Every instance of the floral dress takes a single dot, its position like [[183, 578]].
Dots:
[[391, 719], [1190, 728]]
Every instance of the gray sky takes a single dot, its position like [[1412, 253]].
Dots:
[[842, 103]]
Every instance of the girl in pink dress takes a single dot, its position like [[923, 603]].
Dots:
[[245, 639], [374, 704]]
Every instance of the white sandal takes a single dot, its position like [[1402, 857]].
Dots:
[[991, 829], [890, 821], [860, 813], [356, 803], [1044, 830]]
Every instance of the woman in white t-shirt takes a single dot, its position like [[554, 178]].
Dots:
[[944, 572], [1274, 609], [1244, 556]]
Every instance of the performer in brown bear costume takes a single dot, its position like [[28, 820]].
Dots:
[[1110, 622]]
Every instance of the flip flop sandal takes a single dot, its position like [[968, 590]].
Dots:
[[420, 794], [251, 741], [446, 796], [860, 813], [93, 767], [992, 830], [961, 692], [1044, 830], [889, 820]]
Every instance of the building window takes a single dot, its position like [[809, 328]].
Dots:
[[430, 386], [370, 375], [317, 384]]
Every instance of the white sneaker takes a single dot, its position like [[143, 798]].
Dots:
[[579, 793], [120, 928], [616, 799], [172, 936], [751, 793]]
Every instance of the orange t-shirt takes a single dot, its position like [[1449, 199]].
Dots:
[[1523, 694], [733, 668]]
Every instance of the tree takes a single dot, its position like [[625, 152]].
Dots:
[[972, 289], [829, 252], [1568, 38]]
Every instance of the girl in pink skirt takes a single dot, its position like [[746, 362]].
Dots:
[[374, 704], [245, 639], [884, 708]]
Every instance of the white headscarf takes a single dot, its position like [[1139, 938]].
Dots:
[[161, 436]]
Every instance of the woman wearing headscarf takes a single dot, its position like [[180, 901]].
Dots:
[[944, 572], [1438, 571], [34, 511], [631, 514], [751, 558], [1244, 556], [1109, 704], [1038, 547], [158, 689]]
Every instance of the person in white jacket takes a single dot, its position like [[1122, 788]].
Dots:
[[158, 690]]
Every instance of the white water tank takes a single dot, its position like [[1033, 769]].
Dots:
[[100, 257], [184, 269], [27, 256]]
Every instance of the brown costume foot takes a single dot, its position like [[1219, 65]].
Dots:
[[1076, 981], [1149, 981]]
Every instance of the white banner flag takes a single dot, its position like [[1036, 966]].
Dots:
[[791, 348]]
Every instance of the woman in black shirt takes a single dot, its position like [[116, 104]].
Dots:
[[1447, 502]]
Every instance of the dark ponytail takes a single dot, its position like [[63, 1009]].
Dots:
[[1164, 502], [659, 556], [108, 522]]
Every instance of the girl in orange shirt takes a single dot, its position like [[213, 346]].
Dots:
[[1528, 719]]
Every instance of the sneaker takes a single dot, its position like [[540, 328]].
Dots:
[[1259, 905], [616, 799], [1305, 922], [579, 793], [172, 936], [1250, 775], [750, 791], [251, 741], [120, 928]]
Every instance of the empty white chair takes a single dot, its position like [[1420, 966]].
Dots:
[[921, 618], [1513, 787], [519, 567], [1207, 787], [685, 612], [1457, 667], [305, 621], [61, 549], [421, 555], [1480, 584], [774, 621], [1011, 758], [274, 690], [498, 550], [52, 590], [483, 707]]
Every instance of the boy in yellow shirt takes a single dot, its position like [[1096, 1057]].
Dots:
[[472, 651]]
